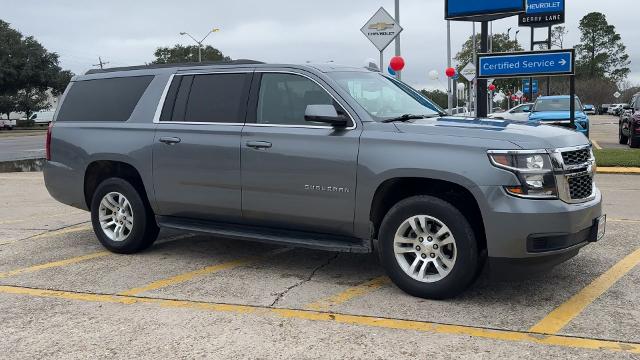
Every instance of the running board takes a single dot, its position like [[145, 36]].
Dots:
[[268, 235]]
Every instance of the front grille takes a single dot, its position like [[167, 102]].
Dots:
[[564, 124], [576, 157], [580, 186]]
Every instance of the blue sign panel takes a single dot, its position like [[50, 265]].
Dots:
[[525, 64], [481, 10], [544, 6], [542, 13], [525, 86]]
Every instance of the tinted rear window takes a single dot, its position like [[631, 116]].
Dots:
[[217, 98], [103, 99]]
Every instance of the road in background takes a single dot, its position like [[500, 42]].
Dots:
[[604, 130], [21, 145]]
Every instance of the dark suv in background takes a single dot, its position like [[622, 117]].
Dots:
[[629, 124]]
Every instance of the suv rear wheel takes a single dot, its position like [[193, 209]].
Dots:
[[121, 219], [622, 139], [428, 248]]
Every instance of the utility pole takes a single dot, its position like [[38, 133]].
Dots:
[[398, 53], [481, 84], [101, 63], [449, 80]]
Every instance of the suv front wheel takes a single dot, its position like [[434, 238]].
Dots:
[[121, 219], [428, 248]]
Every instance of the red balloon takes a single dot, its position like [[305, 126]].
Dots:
[[397, 63], [492, 87], [450, 72]]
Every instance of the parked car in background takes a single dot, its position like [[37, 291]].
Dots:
[[629, 125], [42, 118], [520, 112], [7, 124], [615, 109], [589, 109], [604, 108], [555, 110]]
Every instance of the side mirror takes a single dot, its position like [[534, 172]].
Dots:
[[324, 114]]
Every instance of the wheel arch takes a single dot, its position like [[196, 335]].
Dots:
[[100, 170], [393, 190]]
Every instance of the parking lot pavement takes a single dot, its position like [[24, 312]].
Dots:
[[62, 295], [604, 130], [18, 146]]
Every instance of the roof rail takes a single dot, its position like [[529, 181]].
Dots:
[[178, 65]]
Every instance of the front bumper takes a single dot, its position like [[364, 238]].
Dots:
[[546, 232]]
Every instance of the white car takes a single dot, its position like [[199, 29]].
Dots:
[[614, 109], [520, 113]]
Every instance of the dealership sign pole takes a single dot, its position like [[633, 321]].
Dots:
[[483, 11], [542, 13], [381, 30]]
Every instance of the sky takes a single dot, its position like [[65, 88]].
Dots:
[[126, 33]]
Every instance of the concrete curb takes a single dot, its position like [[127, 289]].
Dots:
[[619, 170], [24, 165]]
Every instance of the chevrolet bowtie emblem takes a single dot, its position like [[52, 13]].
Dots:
[[380, 26]]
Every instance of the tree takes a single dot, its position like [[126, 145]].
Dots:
[[31, 100], [557, 36], [500, 43], [25, 62], [7, 105], [601, 53], [185, 54], [437, 96]]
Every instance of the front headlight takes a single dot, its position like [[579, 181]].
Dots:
[[533, 169]]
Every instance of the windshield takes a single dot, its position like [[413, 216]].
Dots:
[[384, 98], [561, 104]]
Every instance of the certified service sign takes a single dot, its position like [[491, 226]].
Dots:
[[381, 29]]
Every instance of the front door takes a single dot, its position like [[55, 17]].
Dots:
[[196, 154], [295, 174]]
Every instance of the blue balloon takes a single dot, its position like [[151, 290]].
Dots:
[[391, 71]]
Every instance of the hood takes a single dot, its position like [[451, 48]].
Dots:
[[555, 115], [523, 134]]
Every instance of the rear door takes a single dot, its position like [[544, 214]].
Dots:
[[296, 174], [196, 156]]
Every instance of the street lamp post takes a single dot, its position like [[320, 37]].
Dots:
[[201, 41]]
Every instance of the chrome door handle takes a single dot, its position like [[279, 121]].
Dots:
[[170, 140], [258, 144]]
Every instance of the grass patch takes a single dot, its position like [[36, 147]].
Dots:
[[617, 157]]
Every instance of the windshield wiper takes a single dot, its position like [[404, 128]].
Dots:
[[407, 117]]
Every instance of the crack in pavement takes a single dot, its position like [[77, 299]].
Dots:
[[281, 295]]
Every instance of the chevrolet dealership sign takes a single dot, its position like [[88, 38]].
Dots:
[[542, 13], [381, 29]]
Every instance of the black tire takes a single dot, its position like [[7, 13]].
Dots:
[[468, 260], [144, 230], [622, 139]]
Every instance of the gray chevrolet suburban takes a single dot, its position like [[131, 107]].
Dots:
[[320, 156]]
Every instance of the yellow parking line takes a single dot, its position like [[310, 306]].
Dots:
[[49, 265], [357, 320], [177, 279], [619, 170], [349, 294], [623, 220], [596, 145], [562, 315]]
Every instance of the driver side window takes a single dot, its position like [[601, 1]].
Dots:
[[283, 99]]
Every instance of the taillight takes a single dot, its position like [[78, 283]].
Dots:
[[47, 144]]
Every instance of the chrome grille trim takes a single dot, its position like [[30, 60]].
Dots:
[[570, 164]]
